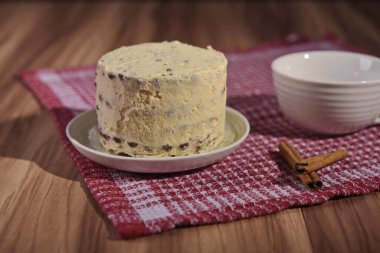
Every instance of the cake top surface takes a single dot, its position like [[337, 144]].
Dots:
[[165, 59]]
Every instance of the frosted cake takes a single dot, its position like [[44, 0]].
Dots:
[[161, 99]]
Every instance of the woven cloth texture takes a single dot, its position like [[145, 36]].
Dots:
[[252, 181]]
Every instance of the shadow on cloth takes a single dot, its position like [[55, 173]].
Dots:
[[266, 118]]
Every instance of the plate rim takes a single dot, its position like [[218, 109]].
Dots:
[[157, 159]]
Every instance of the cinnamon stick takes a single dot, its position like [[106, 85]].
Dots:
[[317, 182], [313, 159], [293, 157], [311, 180], [288, 153], [318, 162]]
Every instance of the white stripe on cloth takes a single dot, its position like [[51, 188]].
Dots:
[[64, 92], [145, 203]]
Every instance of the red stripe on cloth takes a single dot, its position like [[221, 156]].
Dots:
[[253, 181]]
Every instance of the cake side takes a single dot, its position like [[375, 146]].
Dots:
[[167, 99]]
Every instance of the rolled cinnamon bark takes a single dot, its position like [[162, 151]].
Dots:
[[288, 153], [293, 157], [318, 162], [317, 182]]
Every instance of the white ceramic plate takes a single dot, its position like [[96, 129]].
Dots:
[[81, 132]]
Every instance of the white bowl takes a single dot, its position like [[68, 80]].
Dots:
[[80, 133], [329, 92]]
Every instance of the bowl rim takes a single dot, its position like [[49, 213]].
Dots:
[[275, 70]]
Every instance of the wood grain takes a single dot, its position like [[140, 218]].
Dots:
[[43, 205], [353, 222]]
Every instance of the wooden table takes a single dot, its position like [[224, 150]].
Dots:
[[44, 206]]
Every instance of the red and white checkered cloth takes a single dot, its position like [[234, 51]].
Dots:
[[253, 181]]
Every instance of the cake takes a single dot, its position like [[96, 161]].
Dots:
[[161, 99]]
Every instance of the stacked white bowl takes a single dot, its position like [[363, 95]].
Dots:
[[328, 92]]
